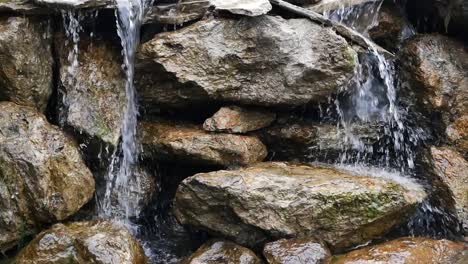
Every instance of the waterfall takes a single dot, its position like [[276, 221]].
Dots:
[[122, 177]]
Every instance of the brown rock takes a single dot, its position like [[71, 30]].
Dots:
[[189, 143], [220, 252], [26, 61], [177, 14], [234, 119], [296, 251], [457, 133], [43, 178], [452, 168], [99, 242], [407, 251]]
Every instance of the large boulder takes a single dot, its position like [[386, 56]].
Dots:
[[296, 251], [42, 176], [407, 251], [452, 168], [437, 67], [165, 140], [235, 119], [26, 61], [219, 251], [99, 242], [277, 200], [244, 61], [94, 93], [22, 7]]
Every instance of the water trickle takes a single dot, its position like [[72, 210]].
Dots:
[[122, 183]]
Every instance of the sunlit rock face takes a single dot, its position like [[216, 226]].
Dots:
[[243, 7], [244, 61], [43, 178], [83, 242], [93, 91], [26, 61], [220, 251], [277, 200], [406, 251], [169, 141], [296, 251], [452, 168]]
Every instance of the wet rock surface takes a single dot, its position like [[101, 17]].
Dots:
[[177, 14], [75, 4], [93, 95], [220, 251], [43, 178], [234, 119], [452, 168], [270, 67], [22, 7], [277, 200], [26, 61], [83, 242], [296, 251], [190, 143], [407, 251]]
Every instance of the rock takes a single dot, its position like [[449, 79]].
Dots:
[[83, 242], [406, 251], [296, 251], [244, 61], [22, 7], [76, 4], [278, 200], [293, 139], [452, 168], [234, 119], [177, 14], [333, 5], [94, 97], [220, 251], [392, 27], [26, 64], [189, 143], [457, 134], [243, 7], [42, 176], [438, 70]]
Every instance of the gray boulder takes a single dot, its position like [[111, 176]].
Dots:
[[278, 200], [253, 60], [297, 251], [235, 119], [219, 251]]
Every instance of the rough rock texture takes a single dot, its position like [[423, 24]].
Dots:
[[407, 251], [243, 7], [291, 139], [26, 61], [438, 66], [296, 251], [333, 5], [277, 200], [245, 61], [391, 28], [94, 97], [457, 133], [82, 243], [219, 252], [234, 119], [42, 176], [177, 14], [189, 143], [452, 168]]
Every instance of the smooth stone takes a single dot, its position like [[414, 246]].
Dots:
[[243, 7], [220, 251], [296, 251]]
